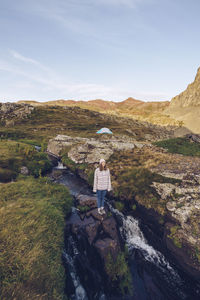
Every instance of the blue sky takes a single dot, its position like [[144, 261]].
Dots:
[[97, 49]]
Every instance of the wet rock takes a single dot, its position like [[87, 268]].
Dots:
[[91, 230], [106, 246], [85, 200], [110, 227], [94, 213]]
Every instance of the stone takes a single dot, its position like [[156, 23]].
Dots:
[[164, 189], [106, 246], [85, 200], [24, 170]]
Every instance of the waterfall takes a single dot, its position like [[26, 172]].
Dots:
[[60, 166], [134, 239], [80, 293]]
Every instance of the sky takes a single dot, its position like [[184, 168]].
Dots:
[[97, 49]]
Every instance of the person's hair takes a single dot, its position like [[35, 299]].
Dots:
[[101, 167]]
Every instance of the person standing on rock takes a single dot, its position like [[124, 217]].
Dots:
[[102, 184]]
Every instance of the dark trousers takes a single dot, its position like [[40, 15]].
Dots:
[[100, 197]]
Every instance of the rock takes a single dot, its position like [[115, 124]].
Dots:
[[85, 200], [91, 230], [24, 170], [190, 97], [171, 206], [95, 236], [94, 213], [110, 227], [106, 246], [11, 113], [164, 189], [84, 150]]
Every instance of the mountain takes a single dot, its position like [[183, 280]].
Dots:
[[185, 107], [190, 97]]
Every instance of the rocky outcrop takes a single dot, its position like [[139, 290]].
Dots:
[[185, 107], [190, 97], [182, 229], [95, 237], [84, 150], [11, 113]]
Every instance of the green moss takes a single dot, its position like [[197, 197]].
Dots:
[[197, 252], [119, 272], [119, 205], [83, 208], [69, 163], [173, 236], [109, 214], [32, 220], [134, 207], [90, 174]]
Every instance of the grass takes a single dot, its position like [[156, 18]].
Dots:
[[46, 122], [15, 154], [180, 145], [32, 223]]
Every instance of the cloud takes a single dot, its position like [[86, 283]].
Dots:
[[43, 83], [25, 59]]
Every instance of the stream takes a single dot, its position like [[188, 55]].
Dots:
[[154, 277]]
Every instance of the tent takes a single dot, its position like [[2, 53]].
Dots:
[[104, 130]]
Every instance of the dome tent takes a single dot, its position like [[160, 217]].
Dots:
[[104, 130]]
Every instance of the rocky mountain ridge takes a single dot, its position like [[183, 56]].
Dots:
[[190, 97]]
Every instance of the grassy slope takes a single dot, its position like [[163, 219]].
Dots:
[[46, 122], [32, 215], [145, 111]]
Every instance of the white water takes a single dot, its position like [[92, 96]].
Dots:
[[135, 239], [80, 293], [60, 166]]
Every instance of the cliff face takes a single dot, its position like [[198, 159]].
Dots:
[[185, 107], [190, 97]]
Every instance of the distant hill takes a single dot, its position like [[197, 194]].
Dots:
[[137, 109]]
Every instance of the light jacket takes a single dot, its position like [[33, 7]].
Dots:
[[102, 180]]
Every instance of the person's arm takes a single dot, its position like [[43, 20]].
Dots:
[[95, 182], [109, 182]]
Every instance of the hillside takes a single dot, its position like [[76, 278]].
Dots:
[[136, 109]]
